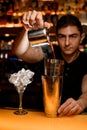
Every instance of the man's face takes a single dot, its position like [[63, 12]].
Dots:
[[69, 39]]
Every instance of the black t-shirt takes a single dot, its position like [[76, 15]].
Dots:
[[72, 76]]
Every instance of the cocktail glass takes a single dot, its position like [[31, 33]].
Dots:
[[20, 89], [20, 80]]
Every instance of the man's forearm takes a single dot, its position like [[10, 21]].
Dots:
[[21, 43], [83, 100]]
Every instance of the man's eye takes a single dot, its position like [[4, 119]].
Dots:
[[60, 36], [73, 36]]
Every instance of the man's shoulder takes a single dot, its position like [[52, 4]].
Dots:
[[83, 55], [83, 58]]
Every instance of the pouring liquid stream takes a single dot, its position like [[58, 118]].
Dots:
[[53, 53]]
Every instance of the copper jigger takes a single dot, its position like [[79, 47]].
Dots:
[[38, 37]]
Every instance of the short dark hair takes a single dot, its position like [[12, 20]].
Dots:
[[67, 20]]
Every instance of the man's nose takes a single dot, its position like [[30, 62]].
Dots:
[[67, 41]]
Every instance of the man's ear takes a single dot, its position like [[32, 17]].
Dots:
[[82, 37]]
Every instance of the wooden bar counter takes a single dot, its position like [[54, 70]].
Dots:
[[36, 120]]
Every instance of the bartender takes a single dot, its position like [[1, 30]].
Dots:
[[70, 35]]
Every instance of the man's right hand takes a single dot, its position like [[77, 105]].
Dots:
[[34, 20]]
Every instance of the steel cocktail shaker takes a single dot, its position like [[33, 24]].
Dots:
[[52, 86]]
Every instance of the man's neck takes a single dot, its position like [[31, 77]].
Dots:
[[70, 58]]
